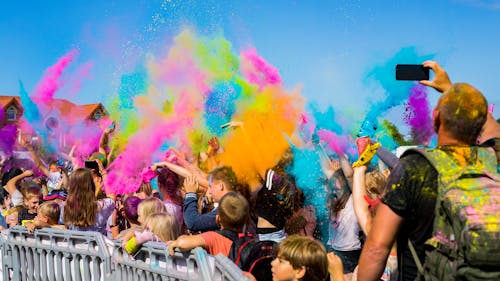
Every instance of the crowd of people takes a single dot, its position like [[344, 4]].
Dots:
[[380, 216]]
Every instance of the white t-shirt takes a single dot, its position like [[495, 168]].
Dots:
[[344, 229]]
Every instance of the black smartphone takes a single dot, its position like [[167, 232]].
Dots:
[[90, 164], [412, 72]]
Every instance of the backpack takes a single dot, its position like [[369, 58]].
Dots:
[[465, 244], [250, 254]]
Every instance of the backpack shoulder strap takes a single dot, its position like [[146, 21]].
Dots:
[[450, 169], [231, 235]]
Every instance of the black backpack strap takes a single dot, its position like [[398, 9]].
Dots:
[[231, 235]]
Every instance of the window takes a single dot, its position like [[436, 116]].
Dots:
[[97, 115], [11, 113]]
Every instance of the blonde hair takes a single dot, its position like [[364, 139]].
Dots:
[[149, 206], [375, 183], [31, 191], [303, 251], [51, 210], [163, 225], [146, 188]]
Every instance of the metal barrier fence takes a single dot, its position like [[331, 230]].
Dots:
[[53, 254]]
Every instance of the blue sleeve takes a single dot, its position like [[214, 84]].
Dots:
[[195, 221]]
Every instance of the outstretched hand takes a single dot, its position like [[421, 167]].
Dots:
[[441, 81], [213, 146], [232, 124]]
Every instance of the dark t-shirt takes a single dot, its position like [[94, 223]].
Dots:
[[411, 194], [24, 215]]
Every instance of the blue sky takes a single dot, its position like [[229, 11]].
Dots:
[[327, 47]]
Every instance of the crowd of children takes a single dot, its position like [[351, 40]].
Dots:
[[207, 206]]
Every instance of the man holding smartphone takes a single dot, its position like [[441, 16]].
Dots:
[[407, 212]]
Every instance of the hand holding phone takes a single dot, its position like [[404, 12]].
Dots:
[[412, 72], [91, 164]]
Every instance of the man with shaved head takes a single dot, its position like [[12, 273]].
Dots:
[[407, 212]]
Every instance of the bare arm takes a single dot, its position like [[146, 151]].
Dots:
[[378, 244], [346, 169], [103, 142], [358, 193], [186, 243], [11, 184], [38, 162], [183, 172]]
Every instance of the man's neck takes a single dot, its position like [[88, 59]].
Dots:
[[445, 139]]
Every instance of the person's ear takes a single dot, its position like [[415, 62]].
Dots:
[[222, 186], [299, 273], [43, 218]]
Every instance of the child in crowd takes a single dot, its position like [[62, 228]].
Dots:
[[159, 226], [147, 207], [125, 217], [232, 215], [48, 216], [368, 189], [32, 196], [304, 258]]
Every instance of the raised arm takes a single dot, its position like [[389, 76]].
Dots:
[[11, 184], [358, 193], [183, 172], [346, 169], [441, 81], [103, 142]]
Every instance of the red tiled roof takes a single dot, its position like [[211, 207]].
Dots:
[[65, 107], [7, 100]]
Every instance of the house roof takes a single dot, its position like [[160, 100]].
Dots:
[[65, 107], [8, 100]]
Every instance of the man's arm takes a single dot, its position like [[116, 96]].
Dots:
[[195, 221], [378, 244]]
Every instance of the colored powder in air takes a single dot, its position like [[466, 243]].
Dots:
[[31, 111], [325, 120], [75, 82], [125, 173], [8, 135], [396, 92], [340, 144], [44, 91], [257, 70], [418, 115], [122, 108], [394, 133], [310, 179], [220, 106], [268, 124]]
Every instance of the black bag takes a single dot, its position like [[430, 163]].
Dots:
[[250, 254]]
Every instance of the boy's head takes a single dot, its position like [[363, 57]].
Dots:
[[49, 212], [300, 258], [53, 167], [233, 211], [32, 198]]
